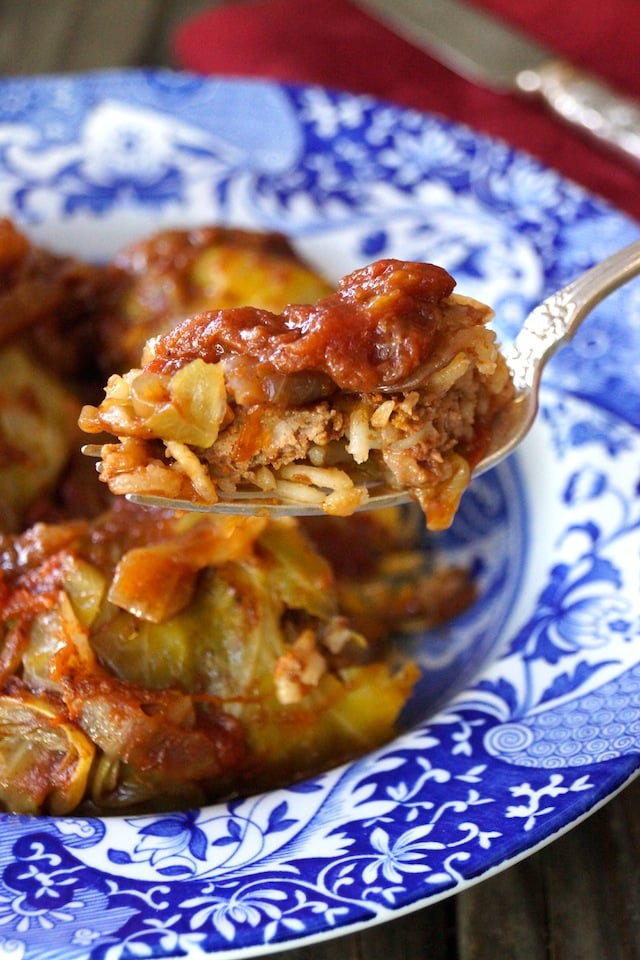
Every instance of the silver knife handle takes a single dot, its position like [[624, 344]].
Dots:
[[585, 102]]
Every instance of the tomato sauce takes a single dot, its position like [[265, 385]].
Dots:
[[373, 331]]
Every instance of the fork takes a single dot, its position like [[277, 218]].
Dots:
[[549, 325]]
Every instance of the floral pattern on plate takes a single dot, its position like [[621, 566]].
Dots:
[[528, 714]]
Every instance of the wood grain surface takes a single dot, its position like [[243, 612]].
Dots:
[[576, 899]]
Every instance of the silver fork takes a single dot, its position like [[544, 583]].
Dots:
[[546, 329]]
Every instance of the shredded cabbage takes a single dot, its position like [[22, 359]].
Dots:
[[164, 659]]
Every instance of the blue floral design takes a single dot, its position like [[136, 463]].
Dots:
[[171, 843], [42, 888], [528, 714]]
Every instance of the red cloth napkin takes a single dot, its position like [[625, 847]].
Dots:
[[337, 44]]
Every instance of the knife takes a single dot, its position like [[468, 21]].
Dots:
[[481, 48]]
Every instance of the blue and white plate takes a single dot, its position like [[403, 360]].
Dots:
[[528, 714]]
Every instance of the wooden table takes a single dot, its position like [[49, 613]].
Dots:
[[577, 899]]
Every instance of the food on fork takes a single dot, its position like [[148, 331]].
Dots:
[[391, 380]]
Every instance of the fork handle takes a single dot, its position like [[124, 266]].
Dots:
[[557, 318]]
